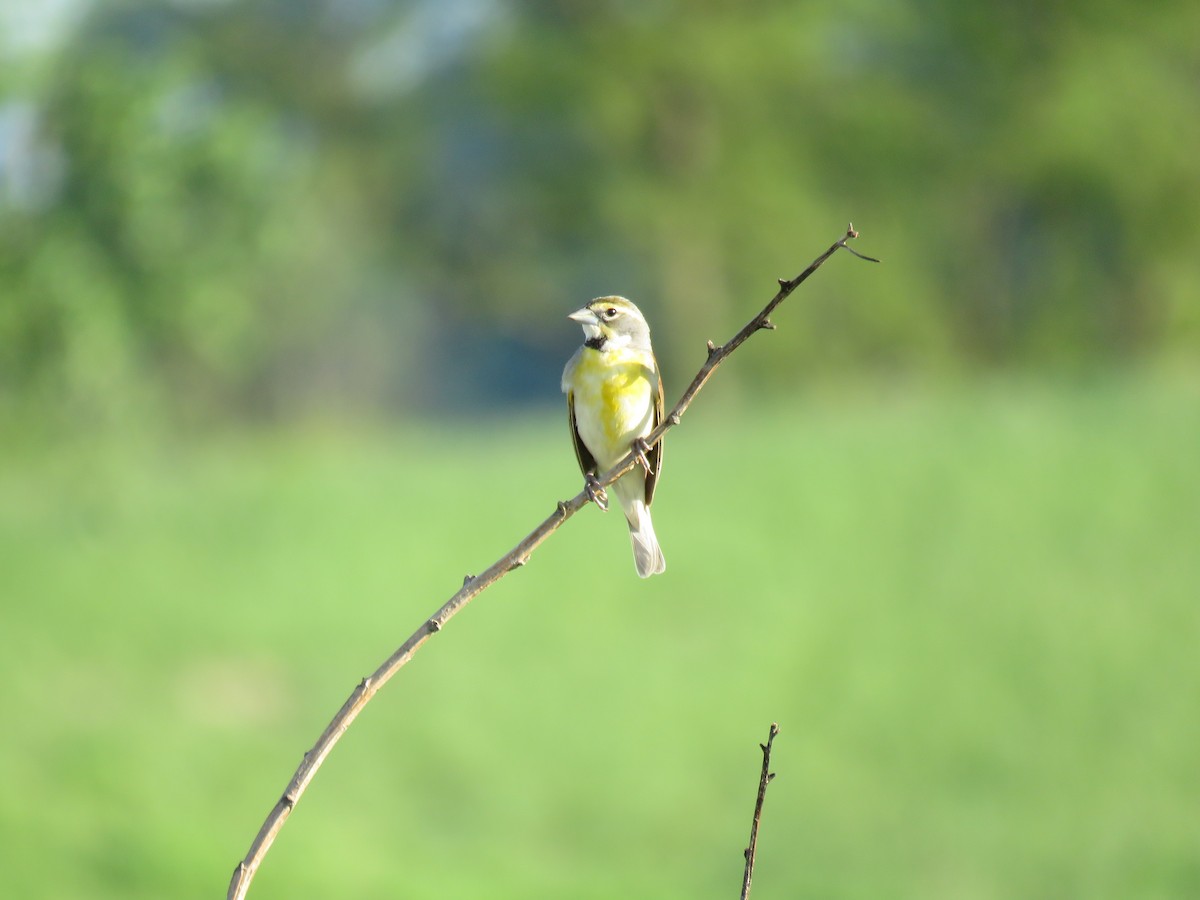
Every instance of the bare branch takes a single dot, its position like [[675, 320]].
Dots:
[[764, 779], [474, 585]]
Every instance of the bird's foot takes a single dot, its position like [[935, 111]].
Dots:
[[591, 486], [640, 448]]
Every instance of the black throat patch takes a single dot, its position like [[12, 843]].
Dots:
[[596, 343]]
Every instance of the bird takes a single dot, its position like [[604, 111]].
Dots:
[[614, 399]]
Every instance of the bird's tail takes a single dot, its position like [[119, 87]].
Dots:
[[647, 555]]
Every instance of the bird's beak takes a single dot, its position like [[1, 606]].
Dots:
[[584, 316]]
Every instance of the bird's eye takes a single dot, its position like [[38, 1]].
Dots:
[[610, 313]]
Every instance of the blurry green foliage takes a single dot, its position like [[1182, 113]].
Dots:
[[238, 208]]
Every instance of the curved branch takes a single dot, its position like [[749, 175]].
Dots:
[[473, 585]]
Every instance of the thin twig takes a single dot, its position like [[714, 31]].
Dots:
[[766, 778], [473, 585]]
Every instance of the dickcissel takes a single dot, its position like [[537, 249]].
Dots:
[[614, 399]]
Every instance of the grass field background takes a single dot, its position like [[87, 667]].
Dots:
[[975, 615]]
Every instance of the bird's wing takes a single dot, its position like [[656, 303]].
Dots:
[[656, 452], [587, 462]]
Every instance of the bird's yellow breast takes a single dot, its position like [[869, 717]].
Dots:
[[613, 393]]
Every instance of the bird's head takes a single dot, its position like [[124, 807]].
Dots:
[[613, 322]]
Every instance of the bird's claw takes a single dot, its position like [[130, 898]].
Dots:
[[591, 486], [640, 448]]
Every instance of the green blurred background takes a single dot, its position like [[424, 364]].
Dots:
[[283, 289]]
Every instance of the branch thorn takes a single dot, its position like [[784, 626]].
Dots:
[[851, 234]]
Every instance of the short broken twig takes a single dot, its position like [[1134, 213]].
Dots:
[[764, 779]]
